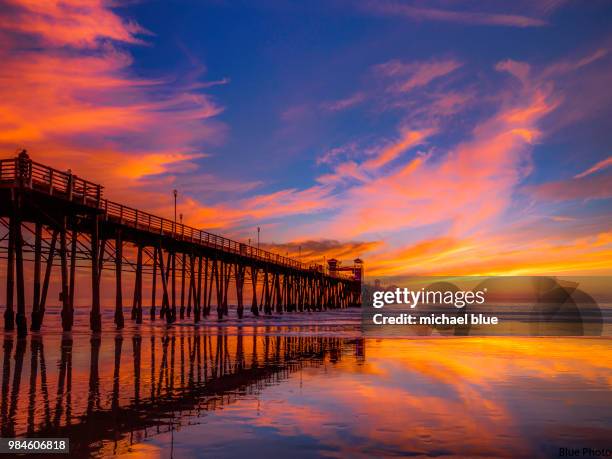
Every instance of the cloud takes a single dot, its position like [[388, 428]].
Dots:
[[343, 104], [72, 99], [464, 187], [348, 170], [262, 207], [584, 77], [77, 23], [536, 250], [412, 75], [408, 140], [295, 113], [459, 190], [445, 209], [583, 187], [518, 69], [316, 250], [603, 164], [570, 65], [417, 13], [378, 157], [330, 156]]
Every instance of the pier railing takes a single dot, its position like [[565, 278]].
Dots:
[[25, 173]]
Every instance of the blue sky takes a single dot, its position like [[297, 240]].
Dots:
[[284, 56]]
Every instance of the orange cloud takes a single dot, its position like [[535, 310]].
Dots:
[[407, 140], [72, 100], [504, 254], [151, 164], [78, 23], [262, 207], [318, 250], [383, 155]]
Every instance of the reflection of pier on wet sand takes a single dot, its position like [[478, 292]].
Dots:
[[168, 382]]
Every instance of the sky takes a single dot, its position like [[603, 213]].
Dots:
[[440, 137]]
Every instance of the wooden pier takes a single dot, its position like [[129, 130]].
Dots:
[[64, 219]]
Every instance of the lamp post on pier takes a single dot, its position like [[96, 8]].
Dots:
[[175, 193]]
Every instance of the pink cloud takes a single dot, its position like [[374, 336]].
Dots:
[[344, 171], [463, 192], [295, 113], [408, 76], [470, 184], [332, 155], [585, 79], [519, 69], [572, 64], [463, 188], [418, 13], [583, 186], [603, 164], [343, 104]]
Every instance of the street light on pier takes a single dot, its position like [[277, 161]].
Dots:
[[175, 193], [258, 231]]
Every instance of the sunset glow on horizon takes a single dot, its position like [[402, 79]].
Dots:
[[342, 129]]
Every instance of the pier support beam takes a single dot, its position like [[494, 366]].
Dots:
[[267, 294], [154, 284], [37, 270], [20, 318], [183, 272], [164, 312], [213, 270], [9, 313], [239, 274], [254, 308], [219, 270], [173, 286], [197, 308], [227, 275], [119, 320], [73, 250], [66, 317], [278, 293], [137, 302], [38, 316], [192, 285], [95, 319]]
